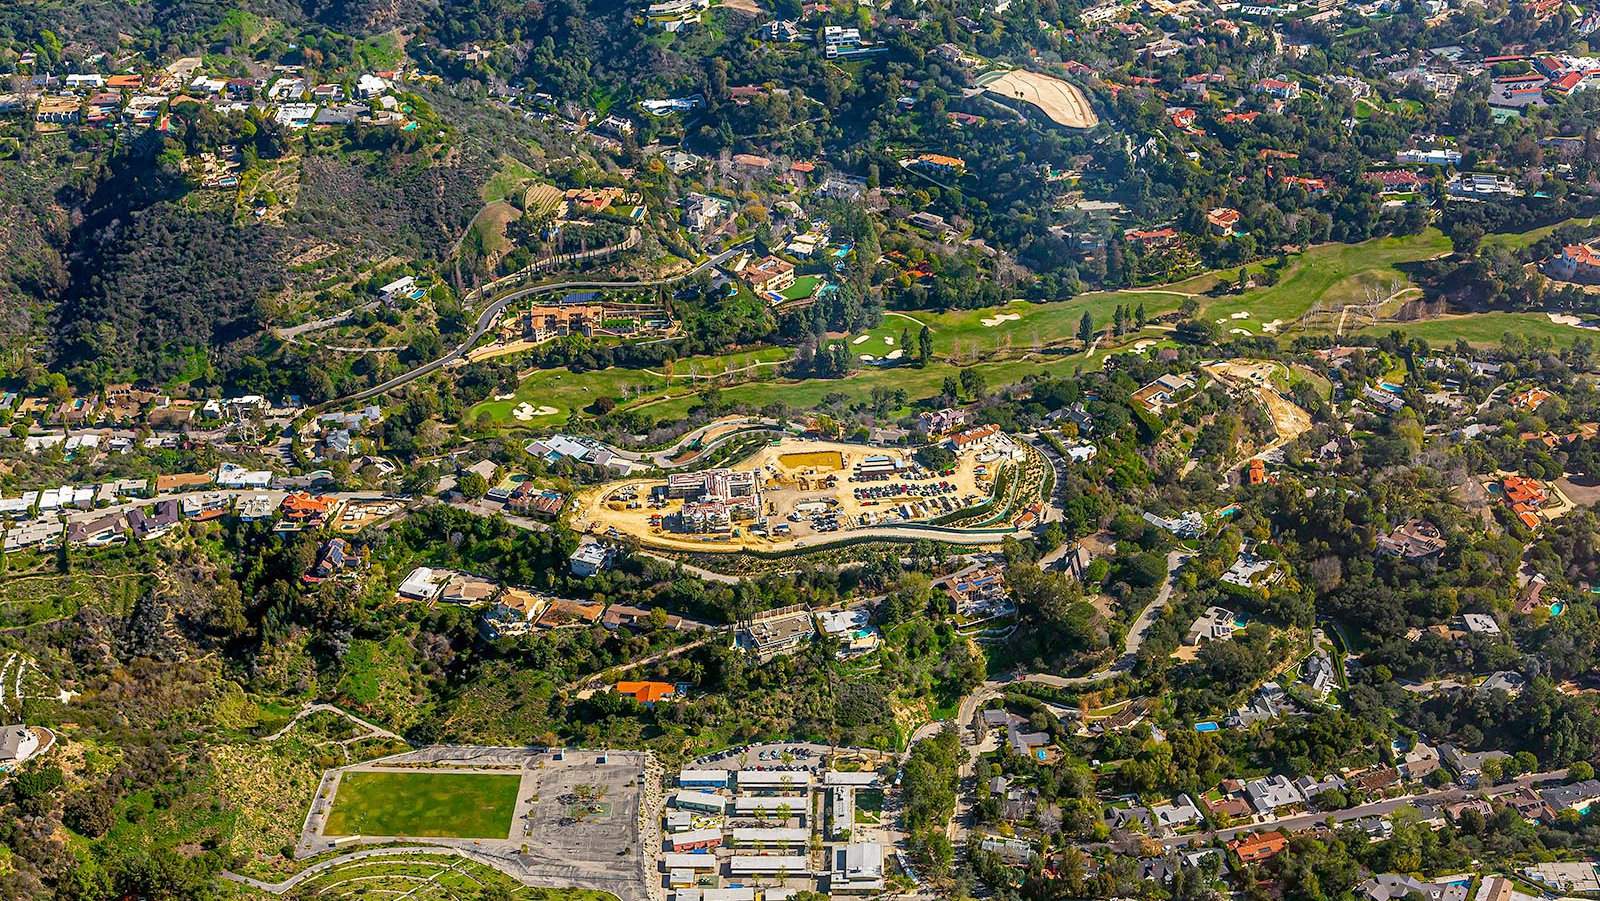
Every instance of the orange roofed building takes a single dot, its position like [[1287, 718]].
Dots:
[[647, 693], [1252, 848], [307, 508], [1530, 399]]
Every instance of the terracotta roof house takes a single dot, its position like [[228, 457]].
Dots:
[[1252, 848]]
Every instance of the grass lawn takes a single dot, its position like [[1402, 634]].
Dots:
[[803, 287], [1484, 328], [1330, 273], [1521, 240], [570, 392], [981, 338], [444, 805]]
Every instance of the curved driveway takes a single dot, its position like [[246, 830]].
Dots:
[[491, 315]]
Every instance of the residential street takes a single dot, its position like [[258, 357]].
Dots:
[[1377, 808]]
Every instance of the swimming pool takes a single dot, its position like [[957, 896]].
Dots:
[[1206, 727], [1557, 608]]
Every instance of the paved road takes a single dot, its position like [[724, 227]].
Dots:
[[1133, 642], [1377, 808], [373, 731], [491, 315], [663, 459]]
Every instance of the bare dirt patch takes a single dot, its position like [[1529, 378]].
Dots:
[[1062, 101]]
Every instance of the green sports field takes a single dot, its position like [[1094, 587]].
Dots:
[[421, 804]]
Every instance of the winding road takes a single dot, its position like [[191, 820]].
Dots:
[[491, 315]]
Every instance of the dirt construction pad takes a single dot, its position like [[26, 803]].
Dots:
[[1062, 101], [808, 496]]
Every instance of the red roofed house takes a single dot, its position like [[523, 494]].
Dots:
[[1315, 187], [1277, 87], [1231, 118], [1520, 491], [1567, 83], [1223, 220], [1252, 848], [1161, 237], [1531, 398], [1575, 262], [647, 693], [1551, 66], [1183, 118], [768, 274]]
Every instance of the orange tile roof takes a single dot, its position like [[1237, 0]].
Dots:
[[1521, 490], [1530, 398], [1259, 847], [302, 505], [646, 692]]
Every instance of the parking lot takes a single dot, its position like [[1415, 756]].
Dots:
[[582, 819]]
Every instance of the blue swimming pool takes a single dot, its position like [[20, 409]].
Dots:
[[1557, 608], [1206, 727]]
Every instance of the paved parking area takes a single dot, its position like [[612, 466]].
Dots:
[[802, 755], [555, 840], [592, 845]]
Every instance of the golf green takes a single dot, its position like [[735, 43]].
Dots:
[[440, 805]]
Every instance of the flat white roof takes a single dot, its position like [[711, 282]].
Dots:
[[685, 861], [699, 799], [774, 779], [798, 804], [793, 864], [714, 894], [868, 779], [772, 836]]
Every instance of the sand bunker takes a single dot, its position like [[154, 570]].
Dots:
[[895, 354], [1142, 346], [526, 411], [999, 318], [508, 396], [1240, 315], [861, 339], [888, 340], [867, 358], [1569, 319], [1271, 326], [1238, 331]]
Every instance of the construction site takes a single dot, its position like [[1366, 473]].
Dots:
[[797, 492]]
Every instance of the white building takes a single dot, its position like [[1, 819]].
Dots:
[[1438, 157], [836, 40], [1481, 184], [17, 744], [424, 584], [857, 868]]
